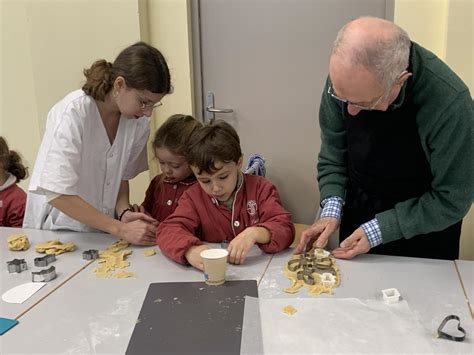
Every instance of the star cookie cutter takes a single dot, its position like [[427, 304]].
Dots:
[[17, 265]]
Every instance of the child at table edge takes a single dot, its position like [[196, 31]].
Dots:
[[225, 205]]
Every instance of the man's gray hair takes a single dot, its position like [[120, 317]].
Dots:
[[386, 57]]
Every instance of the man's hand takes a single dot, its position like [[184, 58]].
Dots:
[[138, 232], [193, 256], [317, 234], [357, 243], [240, 246]]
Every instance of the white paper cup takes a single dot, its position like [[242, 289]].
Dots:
[[215, 264]]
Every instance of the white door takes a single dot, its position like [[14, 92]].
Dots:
[[267, 60]]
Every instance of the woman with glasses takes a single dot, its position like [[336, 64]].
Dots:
[[94, 142], [395, 168]]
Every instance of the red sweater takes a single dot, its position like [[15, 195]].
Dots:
[[162, 199], [12, 206], [199, 217]]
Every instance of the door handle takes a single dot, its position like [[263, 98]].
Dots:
[[211, 111], [219, 110]]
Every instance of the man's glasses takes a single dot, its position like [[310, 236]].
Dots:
[[347, 102]]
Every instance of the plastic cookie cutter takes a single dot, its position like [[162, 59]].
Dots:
[[320, 253], [17, 265], [45, 260], [44, 275], [391, 295], [328, 279], [90, 254], [442, 334]]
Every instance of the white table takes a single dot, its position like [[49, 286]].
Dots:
[[466, 273], [430, 287], [66, 264], [95, 315], [88, 314]]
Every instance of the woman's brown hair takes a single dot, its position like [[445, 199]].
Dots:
[[11, 161], [142, 66]]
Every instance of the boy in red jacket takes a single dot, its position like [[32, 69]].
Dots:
[[225, 205]]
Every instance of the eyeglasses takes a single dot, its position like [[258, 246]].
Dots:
[[145, 106], [347, 102]]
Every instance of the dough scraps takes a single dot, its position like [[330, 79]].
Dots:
[[149, 252], [124, 274], [54, 247], [113, 258], [290, 310], [18, 242]]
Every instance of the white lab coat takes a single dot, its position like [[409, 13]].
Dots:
[[76, 158]]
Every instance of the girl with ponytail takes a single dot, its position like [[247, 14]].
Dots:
[[94, 143]]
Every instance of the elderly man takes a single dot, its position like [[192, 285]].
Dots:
[[396, 163]]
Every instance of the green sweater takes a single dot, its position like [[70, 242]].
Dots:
[[444, 116]]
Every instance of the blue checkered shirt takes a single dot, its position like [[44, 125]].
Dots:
[[332, 207]]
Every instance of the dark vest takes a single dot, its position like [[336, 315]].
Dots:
[[387, 165]]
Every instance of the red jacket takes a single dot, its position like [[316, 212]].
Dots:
[[12, 206], [199, 217], [162, 199]]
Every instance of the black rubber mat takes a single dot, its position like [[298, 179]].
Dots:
[[191, 318]]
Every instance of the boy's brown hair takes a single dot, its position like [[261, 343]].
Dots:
[[210, 144]]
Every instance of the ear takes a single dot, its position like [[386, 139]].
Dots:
[[239, 163], [404, 77], [119, 83]]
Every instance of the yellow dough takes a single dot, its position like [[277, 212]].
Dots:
[[290, 310], [311, 268], [18, 242], [124, 274], [54, 247], [113, 258], [149, 252]]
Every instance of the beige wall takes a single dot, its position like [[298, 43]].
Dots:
[[164, 24], [44, 47], [446, 28]]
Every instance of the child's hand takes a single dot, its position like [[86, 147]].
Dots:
[[193, 256], [134, 216], [240, 246]]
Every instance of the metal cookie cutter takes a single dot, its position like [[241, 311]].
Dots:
[[304, 268], [90, 254], [306, 276], [44, 275], [17, 265], [442, 334], [45, 260]]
